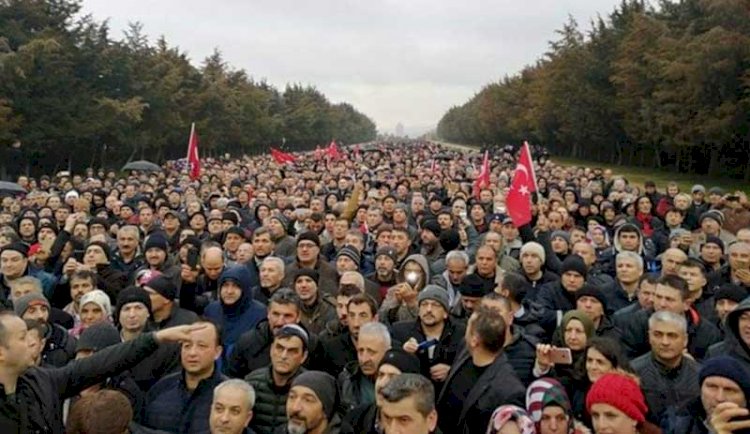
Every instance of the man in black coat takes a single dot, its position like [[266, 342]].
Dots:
[[481, 379], [556, 298], [31, 398], [671, 295], [436, 325], [252, 350]]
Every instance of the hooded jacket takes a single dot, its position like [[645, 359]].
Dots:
[[391, 311], [606, 261], [240, 317], [733, 345]]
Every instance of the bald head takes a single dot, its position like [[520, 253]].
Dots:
[[212, 262]]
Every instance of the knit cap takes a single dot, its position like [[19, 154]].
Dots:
[[98, 297], [324, 387], [621, 392], [534, 248], [98, 337], [164, 287], [405, 362], [350, 252], [23, 304], [727, 367], [730, 291], [435, 293], [574, 263]]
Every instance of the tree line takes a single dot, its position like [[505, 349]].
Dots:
[[72, 95], [664, 85]]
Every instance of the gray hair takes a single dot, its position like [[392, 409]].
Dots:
[[457, 255], [632, 256], [28, 280], [376, 329], [130, 228], [360, 280], [407, 385], [669, 318], [242, 385], [274, 260]]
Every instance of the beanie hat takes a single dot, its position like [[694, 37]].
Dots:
[[350, 252], [711, 239], [621, 392], [432, 226], [102, 245], [588, 325], [698, 188], [17, 246], [98, 337], [324, 387], [716, 190], [297, 330], [450, 240], [309, 236], [312, 274], [232, 217], [98, 297], [511, 414], [387, 251], [545, 392], [132, 294], [405, 362], [574, 263], [713, 214], [730, 291], [156, 241], [192, 241], [561, 234], [53, 227], [281, 218], [235, 230], [21, 305], [727, 367], [435, 293], [475, 286], [534, 248], [592, 291], [164, 287]]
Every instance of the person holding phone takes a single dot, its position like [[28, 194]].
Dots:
[[401, 302]]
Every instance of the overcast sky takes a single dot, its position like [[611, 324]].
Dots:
[[402, 61]]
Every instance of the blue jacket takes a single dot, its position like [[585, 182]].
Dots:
[[171, 407], [241, 316]]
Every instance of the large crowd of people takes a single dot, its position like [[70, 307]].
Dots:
[[382, 291]]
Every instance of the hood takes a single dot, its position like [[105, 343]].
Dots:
[[616, 238], [422, 261], [241, 275], [733, 324]]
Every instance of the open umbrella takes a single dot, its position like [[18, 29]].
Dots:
[[143, 166], [10, 188]]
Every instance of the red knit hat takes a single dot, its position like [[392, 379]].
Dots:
[[621, 392]]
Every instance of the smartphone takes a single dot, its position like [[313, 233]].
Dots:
[[192, 258], [411, 277], [78, 255], [561, 356], [427, 344]]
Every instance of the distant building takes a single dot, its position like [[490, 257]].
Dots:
[[399, 130]]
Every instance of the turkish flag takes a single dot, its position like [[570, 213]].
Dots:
[[282, 157], [483, 180], [333, 151], [194, 162], [518, 201]]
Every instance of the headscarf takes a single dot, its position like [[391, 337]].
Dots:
[[511, 414], [546, 392]]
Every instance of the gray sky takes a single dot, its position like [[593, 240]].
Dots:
[[397, 61]]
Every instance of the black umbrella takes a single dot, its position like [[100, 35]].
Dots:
[[10, 188], [143, 166]]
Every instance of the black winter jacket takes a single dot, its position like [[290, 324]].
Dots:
[[37, 407], [450, 345], [664, 387], [498, 385], [269, 411]]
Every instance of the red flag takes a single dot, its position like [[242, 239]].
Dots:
[[483, 180], [333, 151], [282, 157], [518, 201], [194, 162]]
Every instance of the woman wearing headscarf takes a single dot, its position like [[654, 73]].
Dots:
[[549, 408], [510, 419]]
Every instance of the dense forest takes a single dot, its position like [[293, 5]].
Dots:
[[660, 84], [71, 94]]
